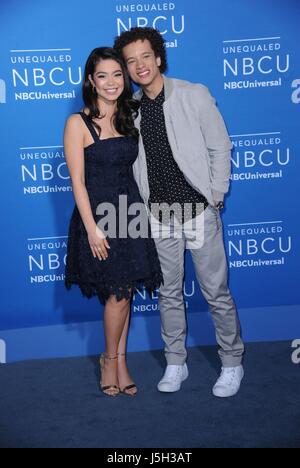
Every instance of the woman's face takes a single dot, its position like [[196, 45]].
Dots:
[[108, 79]]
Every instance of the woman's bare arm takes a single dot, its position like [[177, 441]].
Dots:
[[74, 153]]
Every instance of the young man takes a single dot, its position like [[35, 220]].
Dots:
[[184, 159]]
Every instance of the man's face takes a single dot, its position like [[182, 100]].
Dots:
[[143, 66]]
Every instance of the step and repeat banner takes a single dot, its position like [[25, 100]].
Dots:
[[247, 53]]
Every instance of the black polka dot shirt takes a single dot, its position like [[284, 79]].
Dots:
[[166, 181]]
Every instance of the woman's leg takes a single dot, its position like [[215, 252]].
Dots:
[[115, 318], [123, 374]]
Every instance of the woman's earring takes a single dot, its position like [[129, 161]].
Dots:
[[94, 89]]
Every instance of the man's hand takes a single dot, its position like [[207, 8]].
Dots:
[[219, 205]]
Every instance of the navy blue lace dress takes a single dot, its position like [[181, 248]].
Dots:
[[132, 262]]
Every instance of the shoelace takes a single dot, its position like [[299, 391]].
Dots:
[[170, 374], [226, 373]]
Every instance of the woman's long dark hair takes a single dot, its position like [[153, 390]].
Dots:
[[127, 107]]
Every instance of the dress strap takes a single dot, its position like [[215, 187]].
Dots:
[[89, 125]]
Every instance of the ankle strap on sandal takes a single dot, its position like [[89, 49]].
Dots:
[[110, 358]]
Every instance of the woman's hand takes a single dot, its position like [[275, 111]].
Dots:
[[98, 244]]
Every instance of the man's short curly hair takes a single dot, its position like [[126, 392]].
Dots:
[[142, 34]]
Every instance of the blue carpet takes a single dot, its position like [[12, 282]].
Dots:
[[56, 403]]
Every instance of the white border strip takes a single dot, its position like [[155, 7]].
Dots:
[[255, 224], [254, 39], [47, 238], [42, 50], [40, 147], [256, 134]]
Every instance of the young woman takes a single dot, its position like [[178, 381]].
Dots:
[[101, 145]]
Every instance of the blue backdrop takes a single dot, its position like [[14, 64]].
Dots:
[[247, 53]]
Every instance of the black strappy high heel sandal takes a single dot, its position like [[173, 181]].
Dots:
[[105, 388], [128, 387]]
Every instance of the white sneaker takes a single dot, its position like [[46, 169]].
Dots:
[[173, 378], [229, 382]]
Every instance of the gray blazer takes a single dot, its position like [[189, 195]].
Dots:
[[198, 138]]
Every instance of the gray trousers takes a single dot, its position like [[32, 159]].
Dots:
[[206, 244]]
